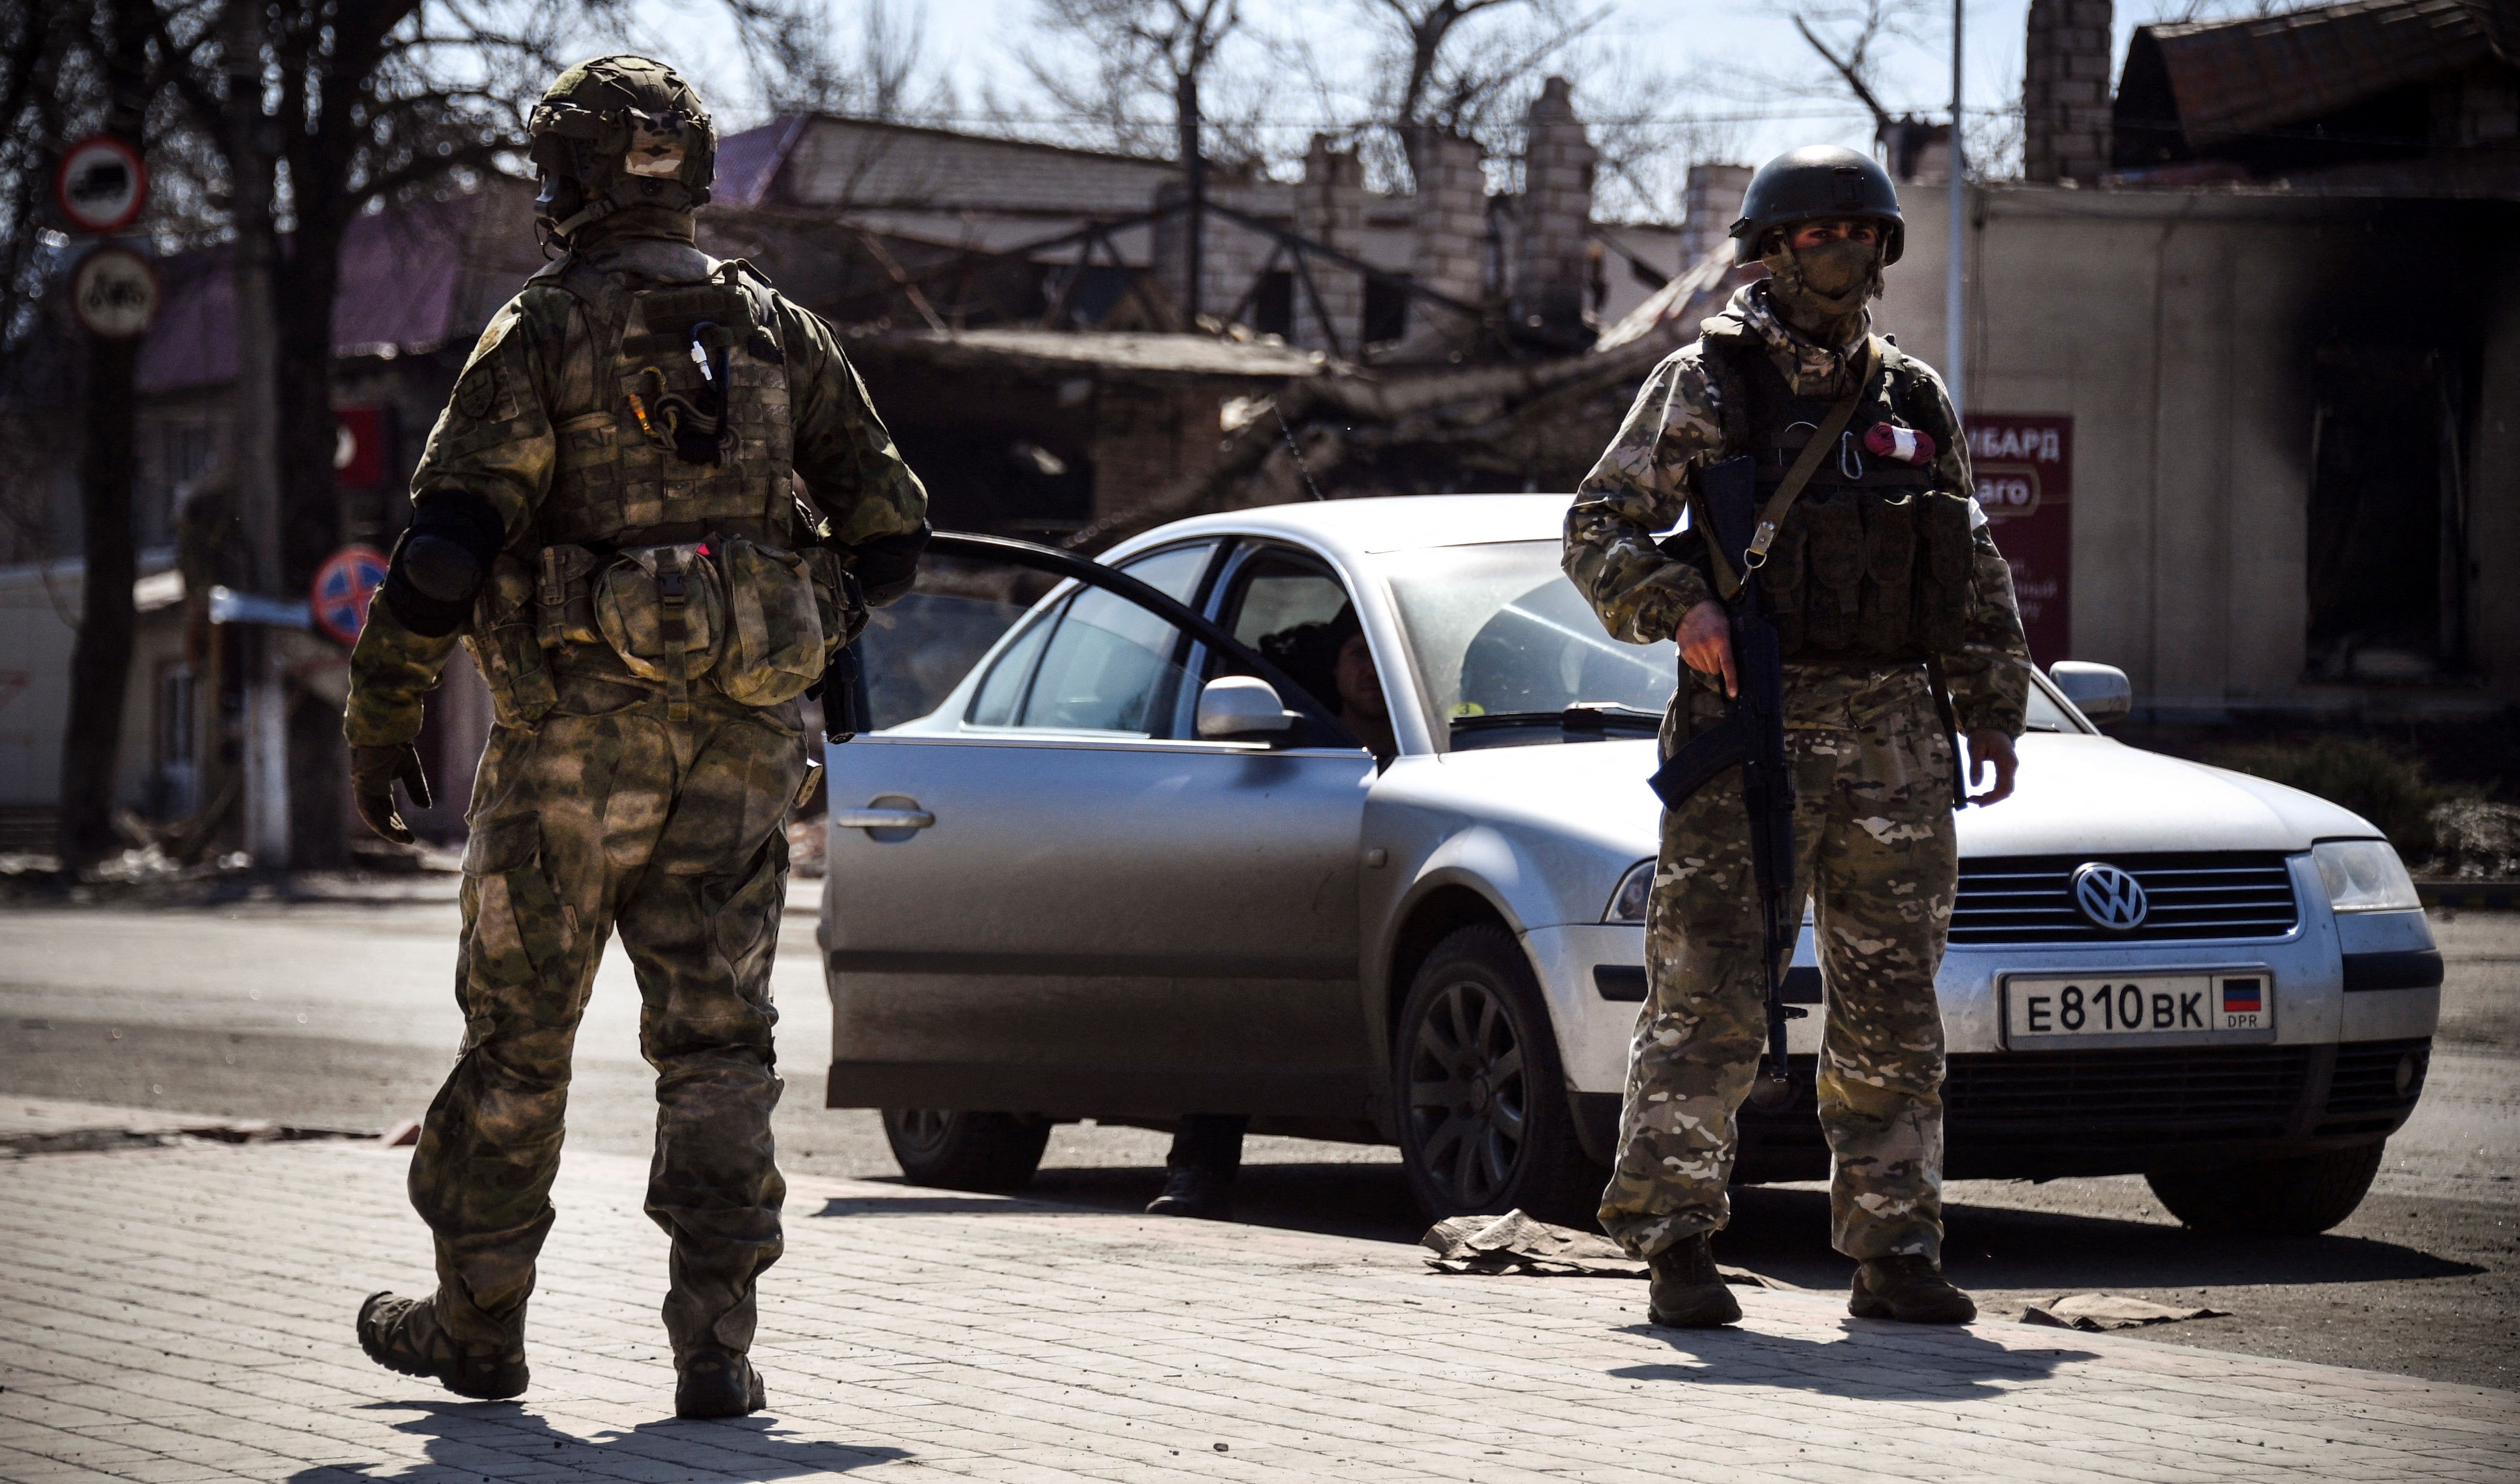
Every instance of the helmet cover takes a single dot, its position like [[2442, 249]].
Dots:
[[619, 131]]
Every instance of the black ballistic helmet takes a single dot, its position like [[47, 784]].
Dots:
[[1816, 181]]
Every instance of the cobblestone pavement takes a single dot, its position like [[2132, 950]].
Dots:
[[183, 1313]]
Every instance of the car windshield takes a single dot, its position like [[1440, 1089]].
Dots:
[[1506, 649], [1504, 646]]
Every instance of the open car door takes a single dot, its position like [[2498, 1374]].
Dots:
[[1049, 893]]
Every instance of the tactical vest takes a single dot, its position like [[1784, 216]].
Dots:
[[669, 535], [627, 473], [1872, 562]]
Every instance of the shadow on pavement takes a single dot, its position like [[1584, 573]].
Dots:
[[1873, 1362], [1784, 1234], [1780, 1232], [496, 1439]]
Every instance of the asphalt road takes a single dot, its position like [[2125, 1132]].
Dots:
[[337, 1015]]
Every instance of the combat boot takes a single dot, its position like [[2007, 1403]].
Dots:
[[403, 1334], [1200, 1191], [711, 1382], [1687, 1291], [1910, 1288]]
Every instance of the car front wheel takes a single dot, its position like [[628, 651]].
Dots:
[[1484, 1121], [966, 1151], [2277, 1197]]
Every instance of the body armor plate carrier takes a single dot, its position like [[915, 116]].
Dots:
[[1872, 562], [670, 536]]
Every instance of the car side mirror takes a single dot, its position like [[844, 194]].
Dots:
[[2100, 692], [1241, 708]]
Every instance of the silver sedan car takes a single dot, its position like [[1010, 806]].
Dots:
[[1133, 840]]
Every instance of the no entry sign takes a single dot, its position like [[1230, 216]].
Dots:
[[100, 184], [342, 586]]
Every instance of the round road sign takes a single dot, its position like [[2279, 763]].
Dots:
[[115, 293], [342, 586], [100, 184]]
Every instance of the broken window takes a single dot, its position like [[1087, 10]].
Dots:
[[1273, 304], [1386, 310], [2388, 541]]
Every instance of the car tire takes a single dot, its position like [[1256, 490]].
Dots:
[[2277, 1197], [966, 1151], [1485, 1122]]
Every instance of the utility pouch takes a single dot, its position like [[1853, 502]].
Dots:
[[774, 630], [1943, 571], [1832, 605], [565, 596], [507, 646], [1889, 565], [662, 610]]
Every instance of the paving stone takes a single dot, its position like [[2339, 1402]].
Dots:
[[1017, 1341]]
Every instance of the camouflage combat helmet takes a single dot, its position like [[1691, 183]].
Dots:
[[619, 131], [1817, 181]]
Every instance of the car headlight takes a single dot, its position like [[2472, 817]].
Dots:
[[1628, 903], [2364, 876]]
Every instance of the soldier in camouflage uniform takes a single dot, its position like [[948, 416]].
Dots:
[[606, 515], [1883, 563]]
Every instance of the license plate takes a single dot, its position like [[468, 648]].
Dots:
[[2139, 1004]]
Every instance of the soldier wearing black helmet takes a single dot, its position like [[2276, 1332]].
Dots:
[[607, 513], [1880, 575]]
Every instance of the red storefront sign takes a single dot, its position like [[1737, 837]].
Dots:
[[2024, 464], [358, 447]]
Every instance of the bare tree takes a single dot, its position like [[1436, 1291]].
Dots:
[[1851, 38], [1466, 68], [1139, 45], [803, 67]]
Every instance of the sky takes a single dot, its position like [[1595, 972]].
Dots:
[[1725, 56]]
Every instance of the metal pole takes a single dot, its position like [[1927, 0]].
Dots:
[[258, 394], [1954, 306]]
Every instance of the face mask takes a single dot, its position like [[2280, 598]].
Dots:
[[1827, 283]]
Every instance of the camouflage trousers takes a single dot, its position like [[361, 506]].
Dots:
[[1874, 846], [606, 814]]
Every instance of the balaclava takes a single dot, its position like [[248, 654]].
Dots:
[[1821, 290]]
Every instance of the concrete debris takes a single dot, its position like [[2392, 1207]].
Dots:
[[2097, 1312], [1519, 1244]]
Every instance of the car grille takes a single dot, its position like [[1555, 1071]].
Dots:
[[2009, 1100], [2030, 899], [2365, 1088], [2230, 1092]]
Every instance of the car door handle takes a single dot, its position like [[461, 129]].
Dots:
[[881, 819]]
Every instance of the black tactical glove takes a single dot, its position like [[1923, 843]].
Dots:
[[372, 771], [889, 565]]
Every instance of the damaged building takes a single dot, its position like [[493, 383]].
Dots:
[[2241, 356]]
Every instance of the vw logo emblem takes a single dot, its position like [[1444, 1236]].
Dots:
[[2111, 898]]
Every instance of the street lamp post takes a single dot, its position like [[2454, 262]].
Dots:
[[1955, 368]]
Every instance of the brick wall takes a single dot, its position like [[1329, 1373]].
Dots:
[[1550, 267], [2065, 91]]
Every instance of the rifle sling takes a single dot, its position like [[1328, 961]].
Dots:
[[1773, 516]]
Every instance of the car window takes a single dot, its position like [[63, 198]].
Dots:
[[1173, 571], [1109, 665], [1295, 614], [2044, 715], [1001, 694]]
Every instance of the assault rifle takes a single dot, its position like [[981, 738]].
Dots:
[[1751, 737]]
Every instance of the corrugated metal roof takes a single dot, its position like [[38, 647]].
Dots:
[[405, 277], [2230, 78]]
